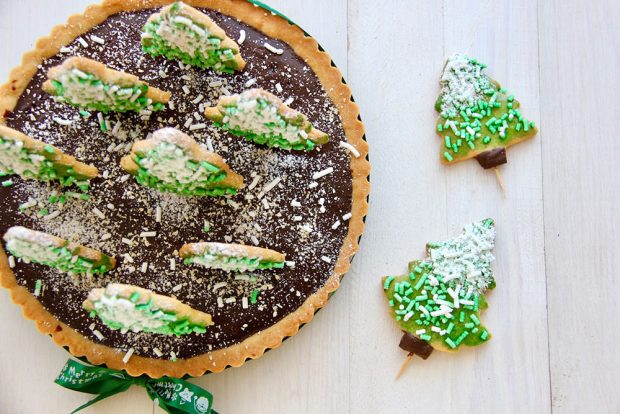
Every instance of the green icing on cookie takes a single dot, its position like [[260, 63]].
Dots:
[[168, 167], [476, 113], [232, 263], [85, 90], [127, 314], [16, 158], [439, 301], [175, 36]]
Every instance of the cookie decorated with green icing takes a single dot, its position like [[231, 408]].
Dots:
[[479, 118], [231, 257], [181, 32], [42, 248], [262, 118], [34, 160], [91, 85], [130, 308], [440, 300], [172, 161]]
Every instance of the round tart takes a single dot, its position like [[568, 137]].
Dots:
[[308, 205]]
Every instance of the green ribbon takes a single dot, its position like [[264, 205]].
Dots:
[[175, 396]]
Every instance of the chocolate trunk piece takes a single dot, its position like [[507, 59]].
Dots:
[[492, 158], [416, 346]]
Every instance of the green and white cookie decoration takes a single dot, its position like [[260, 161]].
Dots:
[[42, 248], [231, 257], [262, 118], [35, 160], [479, 118], [181, 32], [440, 300], [91, 85], [172, 161], [130, 308]]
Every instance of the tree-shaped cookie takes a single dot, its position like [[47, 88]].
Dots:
[[479, 119], [438, 304], [231, 257]]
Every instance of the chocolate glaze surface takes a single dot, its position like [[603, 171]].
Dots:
[[416, 346], [492, 158], [308, 235]]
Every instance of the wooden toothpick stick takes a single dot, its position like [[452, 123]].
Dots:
[[404, 365], [500, 181]]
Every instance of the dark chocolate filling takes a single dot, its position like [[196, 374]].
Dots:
[[492, 158], [131, 207], [416, 346]]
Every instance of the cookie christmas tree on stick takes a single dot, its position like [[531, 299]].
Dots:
[[438, 304], [479, 119]]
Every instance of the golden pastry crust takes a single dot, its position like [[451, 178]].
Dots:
[[231, 249], [165, 303], [45, 239], [218, 112], [204, 20], [105, 74], [57, 157], [196, 152], [256, 345]]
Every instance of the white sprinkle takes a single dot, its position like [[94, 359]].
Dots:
[[173, 355], [289, 101], [225, 91], [215, 84], [420, 332], [52, 216], [210, 145], [244, 302], [128, 355], [128, 258], [82, 42], [11, 262], [250, 82], [241, 36], [231, 299], [118, 147], [279, 87], [295, 203], [273, 49], [313, 184], [98, 213], [336, 225], [110, 206], [254, 240], [197, 126], [321, 201], [111, 147], [171, 105], [467, 302], [99, 335], [254, 182], [220, 302], [64, 122], [185, 90], [148, 234], [347, 216], [265, 203], [290, 263], [196, 116], [307, 228], [97, 39], [116, 128], [186, 77], [65, 49], [188, 122], [408, 316], [322, 173], [351, 148], [158, 214], [424, 310], [198, 99], [177, 287], [297, 218], [219, 285], [435, 329], [157, 352], [145, 267], [232, 203], [269, 186], [173, 264], [326, 259]]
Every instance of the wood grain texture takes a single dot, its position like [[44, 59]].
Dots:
[[557, 230]]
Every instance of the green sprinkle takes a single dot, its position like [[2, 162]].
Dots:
[[43, 212], [388, 282], [448, 143], [134, 297], [425, 337], [450, 327], [439, 127], [450, 343], [420, 282], [7, 183], [462, 317], [486, 139], [37, 287], [471, 144], [484, 335], [474, 318], [49, 149], [447, 156], [84, 113]]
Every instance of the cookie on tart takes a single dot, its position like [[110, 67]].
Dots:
[[231, 257], [172, 161], [261, 117], [89, 84]]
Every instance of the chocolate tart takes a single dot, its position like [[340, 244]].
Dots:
[[317, 223]]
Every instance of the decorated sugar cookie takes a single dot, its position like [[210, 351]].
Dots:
[[36, 160], [181, 32], [231, 257], [88, 84], [438, 304], [37, 247], [130, 308], [263, 118], [479, 119], [174, 162]]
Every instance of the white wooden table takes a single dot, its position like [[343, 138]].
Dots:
[[554, 314]]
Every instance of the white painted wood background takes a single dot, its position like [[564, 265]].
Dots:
[[554, 314]]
